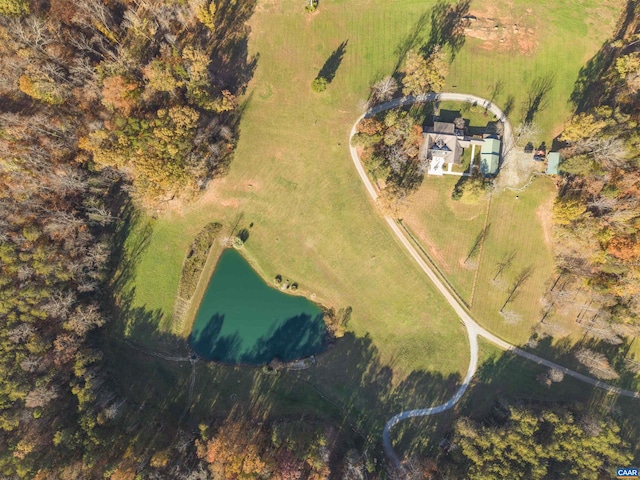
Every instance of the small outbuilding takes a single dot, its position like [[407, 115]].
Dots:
[[490, 157], [553, 161]]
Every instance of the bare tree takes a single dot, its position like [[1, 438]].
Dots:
[[602, 329], [21, 333], [384, 90], [111, 412], [555, 375], [96, 16], [199, 473], [32, 364], [510, 317], [632, 365], [597, 364], [610, 152], [84, 319], [62, 223], [602, 205], [591, 426], [551, 376], [397, 159], [32, 34], [525, 132], [423, 166], [40, 397], [59, 304]]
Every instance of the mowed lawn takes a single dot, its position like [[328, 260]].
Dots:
[[517, 229], [447, 230], [553, 40], [293, 179]]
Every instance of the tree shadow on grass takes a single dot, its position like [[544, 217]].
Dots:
[[447, 27], [354, 377], [591, 85], [412, 40], [537, 97], [330, 67], [508, 105], [447, 24], [350, 387], [130, 240], [231, 65]]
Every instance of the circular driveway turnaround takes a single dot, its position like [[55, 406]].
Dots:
[[474, 330]]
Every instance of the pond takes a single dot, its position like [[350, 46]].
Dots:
[[243, 320]]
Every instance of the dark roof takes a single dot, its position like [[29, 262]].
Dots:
[[444, 127], [445, 146]]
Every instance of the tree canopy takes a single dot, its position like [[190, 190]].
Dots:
[[541, 445]]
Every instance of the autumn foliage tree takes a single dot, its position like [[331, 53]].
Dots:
[[99, 100], [16, 8], [281, 451], [422, 75], [597, 213]]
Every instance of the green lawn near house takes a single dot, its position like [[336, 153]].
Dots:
[[292, 179]]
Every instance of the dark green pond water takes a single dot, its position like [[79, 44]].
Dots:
[[243, 320]]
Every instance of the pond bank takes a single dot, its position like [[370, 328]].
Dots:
[[244, 320]]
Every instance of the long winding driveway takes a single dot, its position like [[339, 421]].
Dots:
[[474, 330]]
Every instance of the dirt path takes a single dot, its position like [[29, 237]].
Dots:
[[474, 330]]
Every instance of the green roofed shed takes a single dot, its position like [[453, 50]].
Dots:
[[490, 157], [553, 161]]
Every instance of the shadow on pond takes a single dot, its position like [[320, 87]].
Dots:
[[297, 337]]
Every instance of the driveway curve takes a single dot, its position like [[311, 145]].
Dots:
[[474, 330]]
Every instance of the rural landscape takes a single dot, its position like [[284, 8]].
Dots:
[[319, 239]]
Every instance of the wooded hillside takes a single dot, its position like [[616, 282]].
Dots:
[[597, 212], [99, 102]]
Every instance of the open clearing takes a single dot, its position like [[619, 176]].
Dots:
[[542, 39], [292, 178], [312, 221]]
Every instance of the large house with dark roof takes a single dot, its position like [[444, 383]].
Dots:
[[443, 145]]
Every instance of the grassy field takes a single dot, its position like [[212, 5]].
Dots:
[[446, 229], [545, 46], [519, 228], [515, 227], [293, 180]]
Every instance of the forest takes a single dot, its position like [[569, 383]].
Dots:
[[103, 104], [112, 106], [597, 213]]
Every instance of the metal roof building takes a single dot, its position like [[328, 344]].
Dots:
[[553, 161], [490, 157]]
